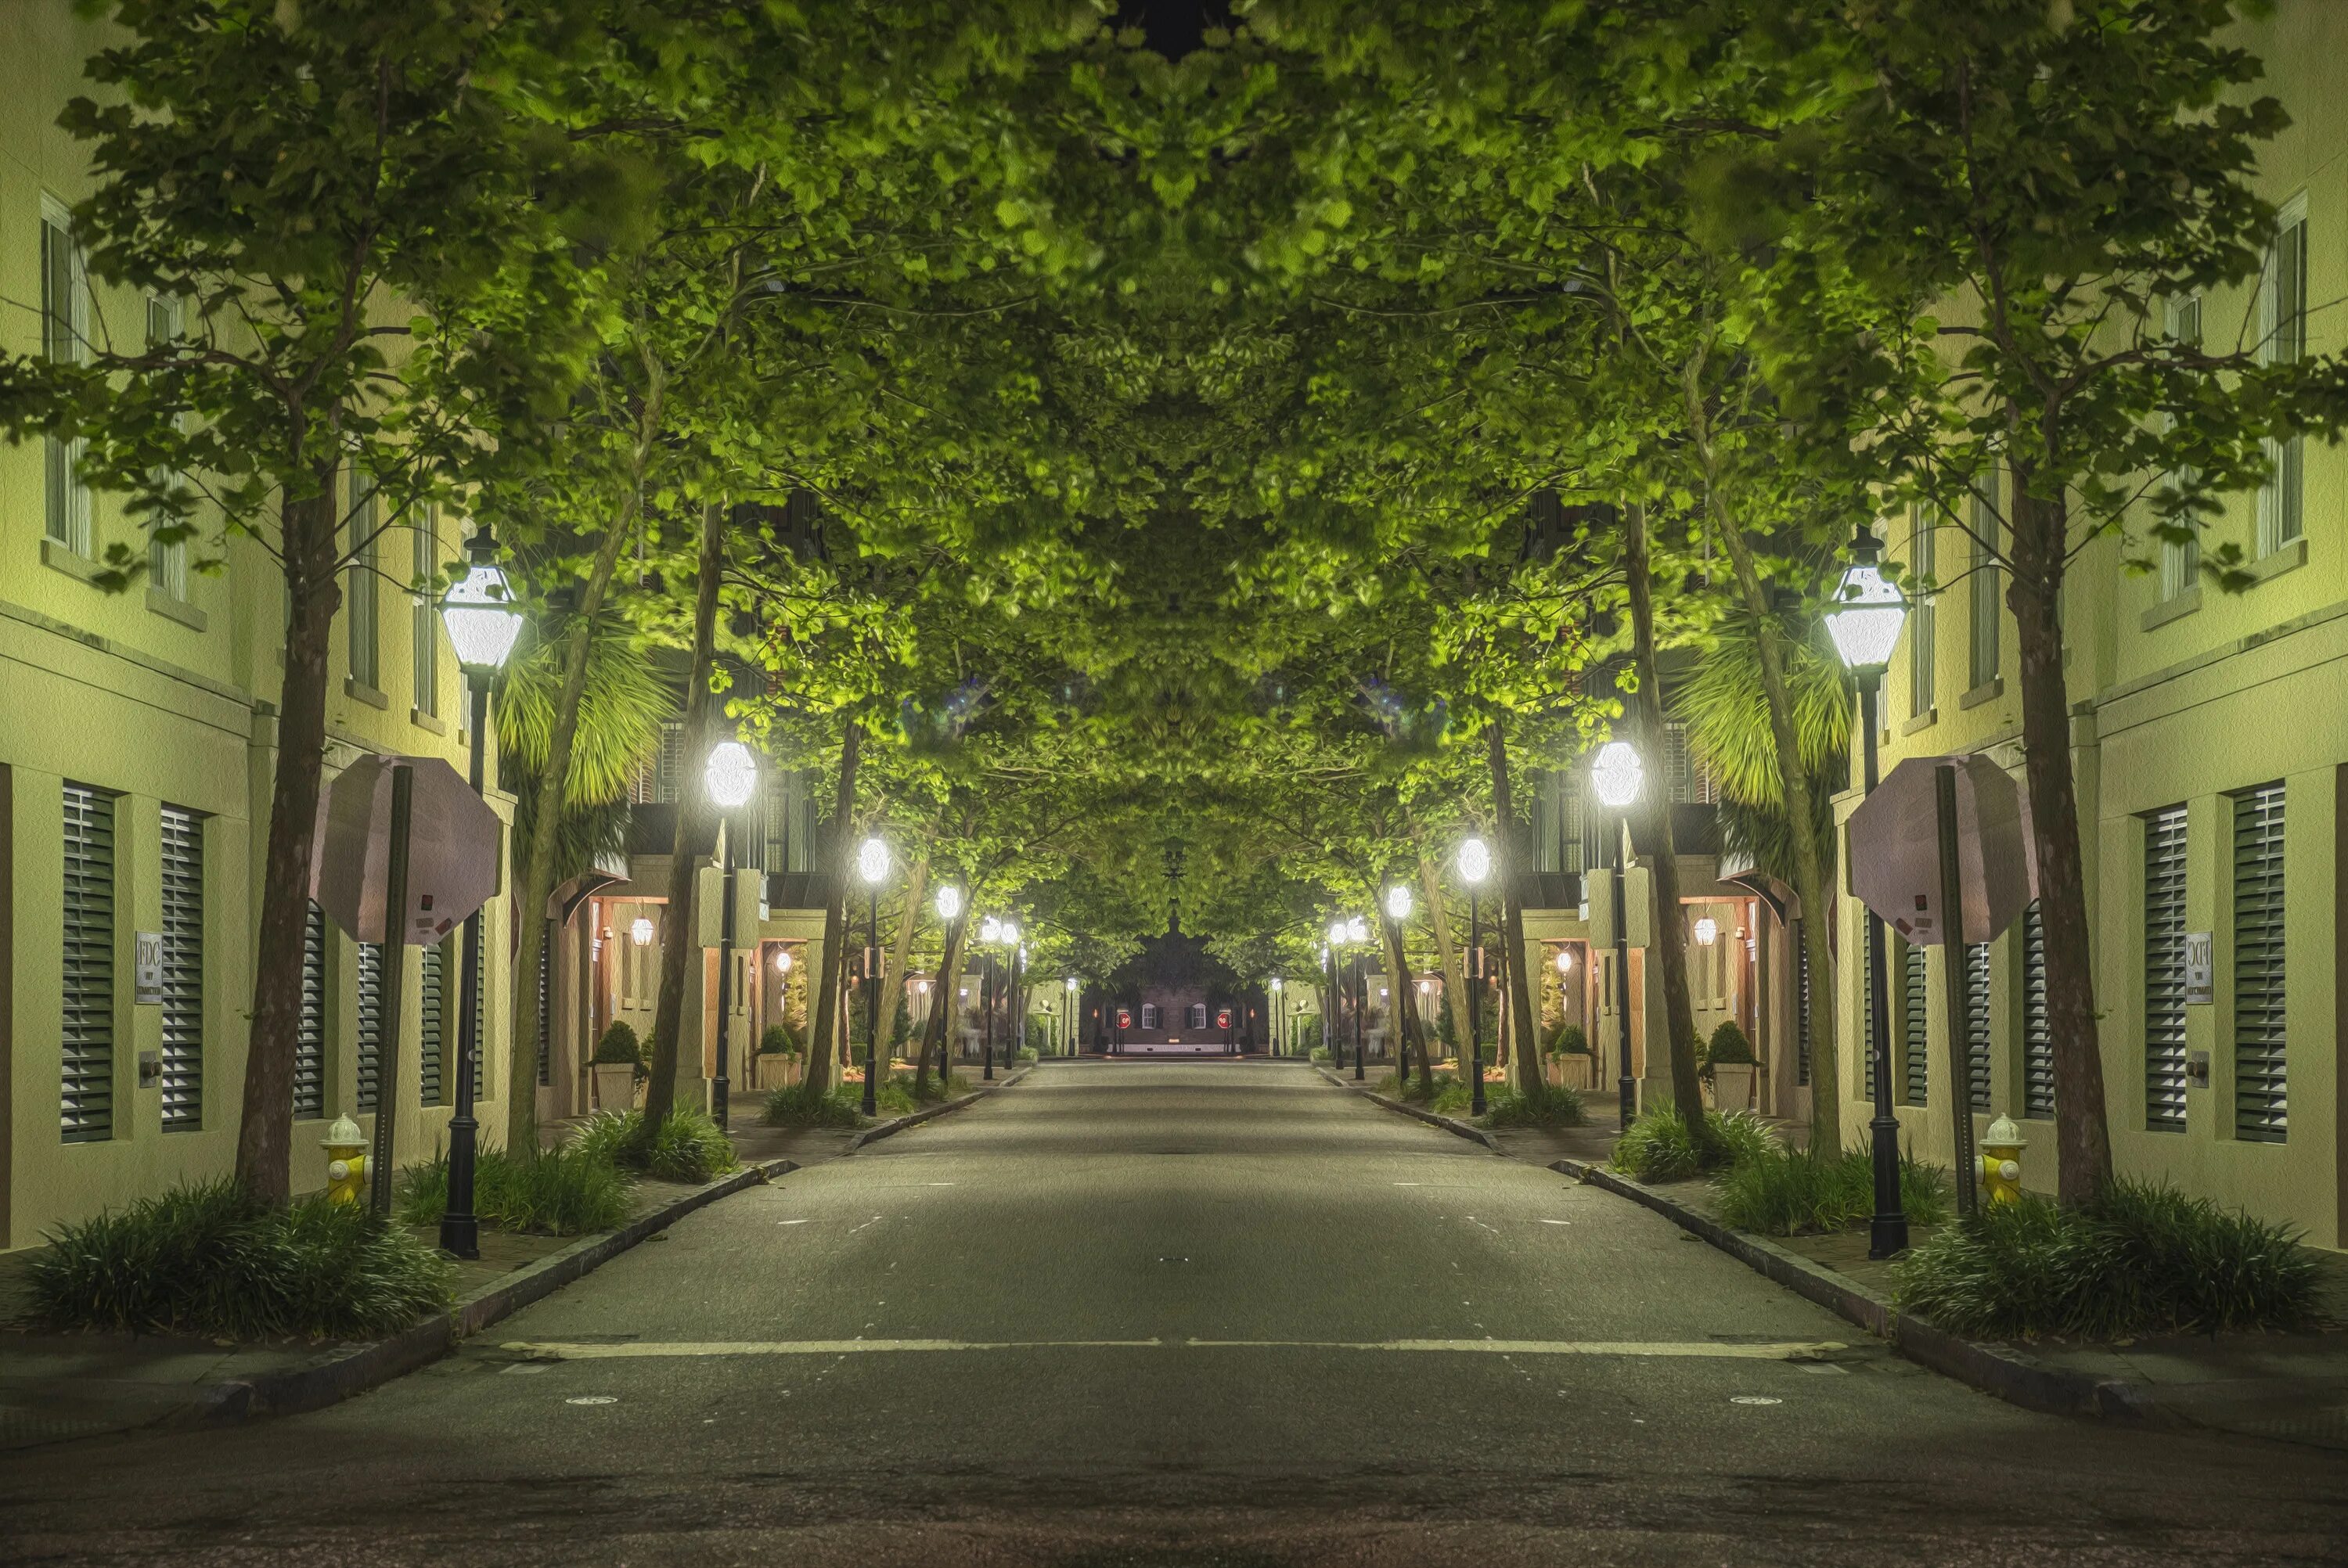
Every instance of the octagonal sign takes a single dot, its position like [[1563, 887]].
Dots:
[[452, 850], [1895, 850]]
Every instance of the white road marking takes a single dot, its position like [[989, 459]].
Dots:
[[1557, 1222], [595, 1400], [873, 1221], [1753, 1400], [557, 1350], [790, 1221]]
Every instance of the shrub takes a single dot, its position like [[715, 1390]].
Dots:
[[619, 1045], [1556, 1107], [942, 1086], [797, 1106], [1569, 1042], [1028, 1053], [1729, 1045], [2143, 1258], [1449, 1096], [778, 1039], [1785, 1191], [1321, 1054], [1657, 1147], [566, 1190], [687, 1147], [207, 1259]]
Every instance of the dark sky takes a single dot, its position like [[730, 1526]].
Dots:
[[1173, 26]]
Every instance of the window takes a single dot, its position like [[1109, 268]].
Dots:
[[661, 778], [1977, 1027], [1922, 668], [1689, 780], [1557, 820], [431, 1022], [2164, 970], [310, 1038], [1915, 1025], [1983, 584], [2260, 1102], [2282, 324], [85, 1080], [1197, 1019], [424, 632], [167, 564], [65, 329], [2037, 1039], [184, 970], [370, 1042], [2180, 562], [1150, 1015], [360, 597]]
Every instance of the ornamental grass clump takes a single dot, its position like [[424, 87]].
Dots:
[[1556, 1107], [208, 1259], [2143, 1258], [688, 1146], [1785, 1192], [570, 1189], [807, 1105], [1657, 1146]]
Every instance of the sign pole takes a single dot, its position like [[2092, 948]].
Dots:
[[1960, 998], [395, 953]]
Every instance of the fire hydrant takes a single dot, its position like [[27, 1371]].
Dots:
[[2001, 1159], [346, 1161]]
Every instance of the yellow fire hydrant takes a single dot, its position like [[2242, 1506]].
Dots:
[[2001, 1161], [346, 1161]]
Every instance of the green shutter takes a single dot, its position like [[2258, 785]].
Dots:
[[2037, 1039], [2259, 1099], [310, 1039], [545, 1012], [1801, 1006], [431, 1019], [184, 970], [85, 1041], [2164, 970], [1977, 1028], [1915, 1025], [370, 972]]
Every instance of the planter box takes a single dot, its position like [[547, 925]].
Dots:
[[1732, 1085], [615, 1086], [1577, 1072]]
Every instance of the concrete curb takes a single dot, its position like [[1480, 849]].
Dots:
[[2008, 1374], [1449, 1124], [338, 1373], [897, 1124]]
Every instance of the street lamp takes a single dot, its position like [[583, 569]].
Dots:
[[1068, 1020], [1864, 625], [782, 960], [483, 622], [1397, 908], [1351, 932], [731, 777], [1614, 777], [1707, 932], [1474, 865], [640, 932], [872, 865], [1279, 1019]]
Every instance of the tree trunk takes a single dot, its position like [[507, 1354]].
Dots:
[[1408, 1026], [1669, 944], [265, 1138], [1809, 868], [1524, 1065], [680, 934], [892, 972], [823, 1037], [943, 1012], [2081, 1137], [1455, 981], [537, 870]]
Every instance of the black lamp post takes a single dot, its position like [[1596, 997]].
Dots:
[[872, 865], [482, 626], [1615, 775], [1865, 626], [731, 777], [1474, 865]]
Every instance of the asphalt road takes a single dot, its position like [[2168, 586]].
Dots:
[[1185, 1313]]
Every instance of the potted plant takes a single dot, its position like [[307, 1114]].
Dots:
[[1730, 1067], [1577, 1067], [780, 1045], [618, 1062]]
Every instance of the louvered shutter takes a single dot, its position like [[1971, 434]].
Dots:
[[1977, 1030], [370, 972], [1867, 1017], [2037, 1039], [546, 1011], [431, 1019], [184, 970], [2259, 1101], [310, 1039], [2164, 970], [480, 1018], [86, 1076], [1915, 1025], [1801, 1006]]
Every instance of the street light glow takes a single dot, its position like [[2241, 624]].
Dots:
[[1708, 931], [949, 901], [1565, 960], [730, 776], [782, 960], [640, 932], [1615, 775], [1475, 861], [1398, 902], [1358, 930], [479, 612], [873, 861]]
